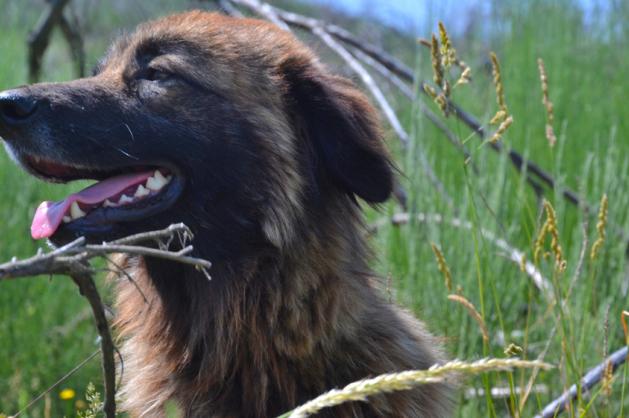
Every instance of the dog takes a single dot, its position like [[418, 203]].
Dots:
[[233, 127]]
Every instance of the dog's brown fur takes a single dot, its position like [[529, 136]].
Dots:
[[292, 310]]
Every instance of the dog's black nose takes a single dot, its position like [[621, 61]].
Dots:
[[16, 107]]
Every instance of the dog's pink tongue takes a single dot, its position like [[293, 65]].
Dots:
[[49, 215]]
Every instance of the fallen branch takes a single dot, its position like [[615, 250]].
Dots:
[[72, 260], [512, 253], [39, 39], [314, 26], [591, 378], [406, 74]]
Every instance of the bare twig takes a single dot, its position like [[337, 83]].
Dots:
[[39, 38], [228, 8], [405, 73], [88, 289], [72, 260], [264, 10], [591, 378], [73, 36]]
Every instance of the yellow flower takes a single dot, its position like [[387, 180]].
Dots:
[[67, 394]]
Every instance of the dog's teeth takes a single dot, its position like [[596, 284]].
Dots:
[[109, 204], [66, 219], [141, 191], [156, 182], [159, 176], [75, 211], [125, 199]]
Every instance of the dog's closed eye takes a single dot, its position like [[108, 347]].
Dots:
[[155, 74]]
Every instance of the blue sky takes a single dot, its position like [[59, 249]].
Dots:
[[412, 14]]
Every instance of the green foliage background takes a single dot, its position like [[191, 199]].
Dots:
[[45, 326]]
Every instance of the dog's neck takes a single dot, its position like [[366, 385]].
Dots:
[[256, 314]]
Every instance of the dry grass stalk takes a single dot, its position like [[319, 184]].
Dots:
[[550, 133], [448, 53], [538, 247], [513, 350], [430, 91], [442, 58], [623, 319], [443, 266], [437, 68], [501, 130], [465, 77], [600, 227], [473, 313], [607, 379], [550, 228], [495, 70], [466, 71], [392, 382]]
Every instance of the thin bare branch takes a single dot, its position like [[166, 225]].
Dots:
[[314, 26], [264, 10], [88, 289], [40, 37], [591, 378], [405, 73], [512, 253], [72, 260]]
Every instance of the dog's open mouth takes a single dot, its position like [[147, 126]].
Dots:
[[118, 196]]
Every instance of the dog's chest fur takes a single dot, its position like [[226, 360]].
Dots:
[[270, 336]]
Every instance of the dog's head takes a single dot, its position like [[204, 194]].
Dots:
[[229, 125]]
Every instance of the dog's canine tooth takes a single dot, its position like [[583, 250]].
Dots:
[[125, 199], [109, 204], [75, 211], [141, 191], [66, 219]]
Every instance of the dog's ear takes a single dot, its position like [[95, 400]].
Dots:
[[344, 131]]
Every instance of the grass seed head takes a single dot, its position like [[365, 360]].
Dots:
[[473, 313], [550, 115], [443, 266], [553, 230], [501, 130], [465, 77], [600, 227], [437, 68], [500, 95], [448, 53]]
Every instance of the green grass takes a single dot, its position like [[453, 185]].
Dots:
[[587, 69]]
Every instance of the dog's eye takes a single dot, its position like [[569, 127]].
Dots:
[[153, 74]]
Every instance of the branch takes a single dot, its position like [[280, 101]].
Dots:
[[405, 73], [88, 289], [408, 93], [591, 378], [72, 260], [39, 38], [263, 9], [75, 41], [315, 26], [515, 255]]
